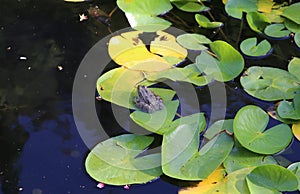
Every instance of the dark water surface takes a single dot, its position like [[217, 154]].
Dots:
[[41, 45]]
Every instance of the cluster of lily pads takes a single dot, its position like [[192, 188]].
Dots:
[[236, 155]]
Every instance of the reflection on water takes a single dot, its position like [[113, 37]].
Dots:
[[41, 46]]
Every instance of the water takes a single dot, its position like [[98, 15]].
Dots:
[[41, 45]]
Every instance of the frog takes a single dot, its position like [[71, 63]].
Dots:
[[147, 101]]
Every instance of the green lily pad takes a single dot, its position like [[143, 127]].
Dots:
[[206, 23], [292, 12], [117, 85], [196, 119], [147, 23], [292, 26], [156, 121], [115, 161], [253, 188], [273, 177], [289, 110], [294, 67], [193, 41], [249, 129], [219, 126], [180, 156], [276, 31], [235, 8], [295, 168], [146, 7], [257, 21], [240, 158], [227, 64], [261, 83], [297, 39], [190, 6], [251, 48]]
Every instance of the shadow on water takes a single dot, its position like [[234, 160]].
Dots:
[[41, 46]]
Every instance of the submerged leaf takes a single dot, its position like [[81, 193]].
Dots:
[[115, 161], [251, 48], [249, 129]]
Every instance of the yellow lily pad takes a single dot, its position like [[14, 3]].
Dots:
[[217, 182], [128, 50], [296, 130]]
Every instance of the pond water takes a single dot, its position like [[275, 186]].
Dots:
[[41, 46]]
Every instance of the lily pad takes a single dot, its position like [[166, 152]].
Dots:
[[117, 85], [156, 121], [296, 130], [235, 8], [257, 21], [180, 156], [253, 188], [206, 23], [292, 26], [147, 23], [190, 6], [290, 110], [128, 50], [249, 129], [276, 31], [297, 39], [292, 12], [273, 177], [251, 48], [295, 168], [115, 161], [227, 64], [218, 127], [193, 41], [218, 182], [146, 7], [189, 73], [261, 83], [265, 6], [240, 158]]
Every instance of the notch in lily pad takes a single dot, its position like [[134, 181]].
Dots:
[[251, 48]]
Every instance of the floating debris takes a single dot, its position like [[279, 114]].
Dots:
[[23, 58], [126, 187], [101, 185], [82, 17], [59, 67]]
